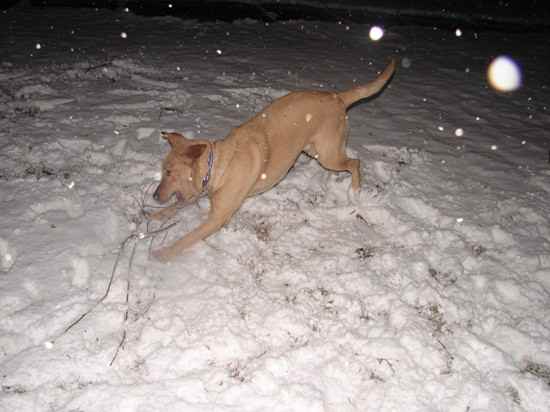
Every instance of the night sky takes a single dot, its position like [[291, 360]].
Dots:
[[514, 15]]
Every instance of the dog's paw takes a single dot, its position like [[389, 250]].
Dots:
[[354, 196], [162, 214], [163, 255], [148, 215]]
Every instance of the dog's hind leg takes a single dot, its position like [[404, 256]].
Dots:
[[331, 153]]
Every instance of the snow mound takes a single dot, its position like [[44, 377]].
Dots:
[[36, 89], [7, 255]]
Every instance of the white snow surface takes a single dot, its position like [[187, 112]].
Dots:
[[428, 292]]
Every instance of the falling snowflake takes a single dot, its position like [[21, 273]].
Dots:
[[458, 32], [459, 132], [504, 74], [123, 35], [38, 46], [376, 33]]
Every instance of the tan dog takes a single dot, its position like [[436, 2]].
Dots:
[[257, 155]]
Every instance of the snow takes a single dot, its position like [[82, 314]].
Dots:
[[428, 291]]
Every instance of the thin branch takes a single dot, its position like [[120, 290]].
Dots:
[[107, 290], [126, 313], [97, 66], [136, 235], [120, 344]]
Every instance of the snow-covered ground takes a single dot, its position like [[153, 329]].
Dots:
[[431, 292]]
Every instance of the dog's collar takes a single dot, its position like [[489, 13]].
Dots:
[[210, 163]]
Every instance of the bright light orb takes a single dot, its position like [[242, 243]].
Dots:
[[376, 33], [504, 74]]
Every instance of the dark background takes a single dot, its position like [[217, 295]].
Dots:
[[513, 15]]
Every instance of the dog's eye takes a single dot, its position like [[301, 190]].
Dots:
[[167, 173]]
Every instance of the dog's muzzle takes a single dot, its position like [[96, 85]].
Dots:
[[179, 196]]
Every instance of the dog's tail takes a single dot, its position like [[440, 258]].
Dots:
[[370, 89]]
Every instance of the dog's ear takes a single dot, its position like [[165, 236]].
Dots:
[[175, 139], [194, 151]]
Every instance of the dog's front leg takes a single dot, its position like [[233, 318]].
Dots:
[[239, 180], [212, 225], [223, 204]]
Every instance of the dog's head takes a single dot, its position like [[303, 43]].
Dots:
[[180, 169]]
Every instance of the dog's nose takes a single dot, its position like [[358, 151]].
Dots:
[[156, 194]]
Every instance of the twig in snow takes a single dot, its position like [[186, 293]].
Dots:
[[128, 284], [362, 219], [107, 290], [169, 110], [97, 66], [380, 360], [134, 236], [141, 203]]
